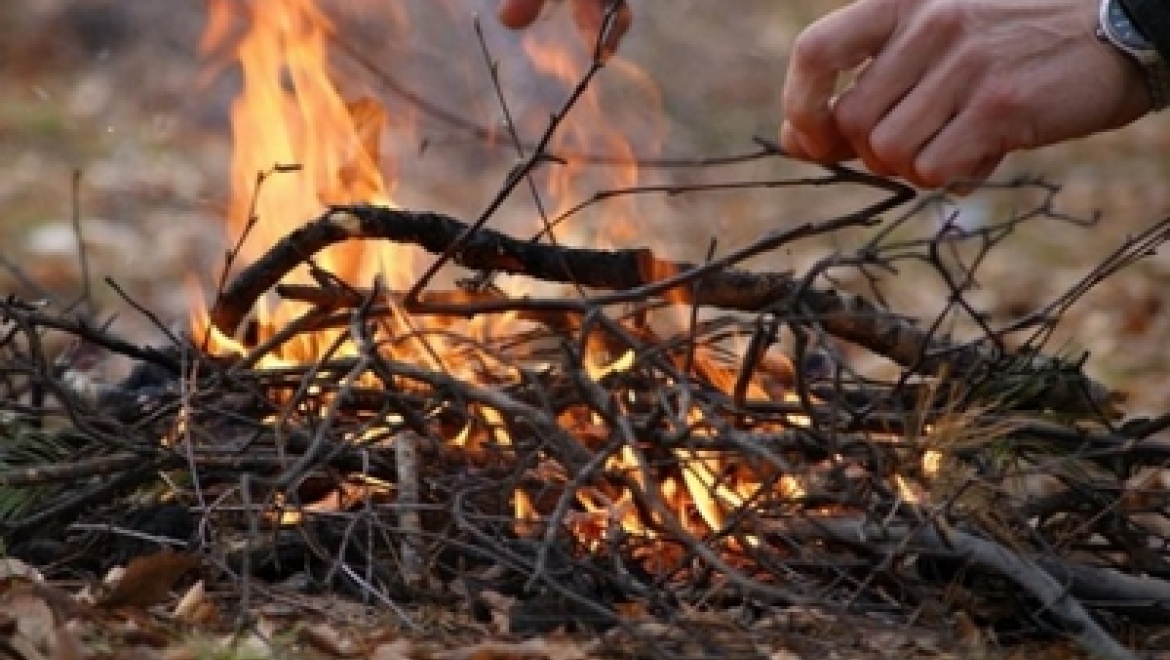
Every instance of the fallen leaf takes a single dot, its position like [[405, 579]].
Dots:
[[532, 649], [35, 623], [148, 579], [396, 650], [632, 610], [968, 632], [194, 607], [328, 640], [11, 567], [190, 601], [66, 645], [499, 607]]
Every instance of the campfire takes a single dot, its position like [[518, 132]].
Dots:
[[561, 431]]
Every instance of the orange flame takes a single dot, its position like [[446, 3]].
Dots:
[[591, 128], [291, 113], [291, 122]]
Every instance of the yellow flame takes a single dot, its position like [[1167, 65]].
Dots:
[[290, 116], [597, 371], [291, 112]]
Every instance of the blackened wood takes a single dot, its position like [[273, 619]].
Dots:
[[1056, 385]]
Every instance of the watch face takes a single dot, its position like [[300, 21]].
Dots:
[[1121, 28]]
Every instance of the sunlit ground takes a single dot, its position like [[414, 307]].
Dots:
[[115, 89]]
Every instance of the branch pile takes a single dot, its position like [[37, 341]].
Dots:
[[592, 470]]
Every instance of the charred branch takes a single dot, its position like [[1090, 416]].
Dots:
[[1040, 381]]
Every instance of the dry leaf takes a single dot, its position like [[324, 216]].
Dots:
[[113, 575], [543, 649], [34, 621], [11, 567], [190, 601], [396, 650], [328, 640], [148, 579], [499, 607], [66, 645], [968, 632], [632, 610]]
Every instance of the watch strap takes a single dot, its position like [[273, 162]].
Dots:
[[1152, 19], [1158, 81]]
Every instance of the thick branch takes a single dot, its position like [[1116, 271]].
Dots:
[[847, 317], [1053, 596]]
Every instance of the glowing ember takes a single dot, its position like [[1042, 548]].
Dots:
[[291, 113]]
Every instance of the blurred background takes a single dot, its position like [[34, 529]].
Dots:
[[121, 93]]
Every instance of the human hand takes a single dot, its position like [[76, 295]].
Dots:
[[946, 88], [589, 15]]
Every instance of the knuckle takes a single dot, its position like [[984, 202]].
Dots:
[[853, 117], [997, 102], [944, 19], [933, 179], [802, 115], [974, 62], [943, 173], [907, 7], [888, 146], [933, 173], [1005, 119], [811, 49]]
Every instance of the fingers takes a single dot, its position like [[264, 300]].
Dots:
[[954, 156], [929, 136], [981, 173], [517, 14], [906, 114], [589, 15], [837, 43], [590, 18], [903, 95], [795, 144], [894, 139]]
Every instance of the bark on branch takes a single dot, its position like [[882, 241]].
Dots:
[[1043, 382], [1029, 575]]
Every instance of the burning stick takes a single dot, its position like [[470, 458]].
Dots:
[[637, 274]]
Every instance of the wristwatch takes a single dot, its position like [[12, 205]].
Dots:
[[1115, 27]]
